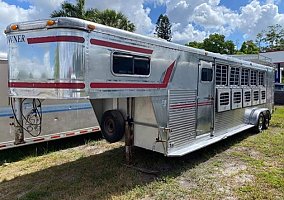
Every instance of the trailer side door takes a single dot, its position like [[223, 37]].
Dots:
[[205, 98]]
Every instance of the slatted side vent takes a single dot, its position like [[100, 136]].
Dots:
[[246, 98], [224, 101], [224, 98], [182, 117], [237, 98], [263, 96], [255, 97]]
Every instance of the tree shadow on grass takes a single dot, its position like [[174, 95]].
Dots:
[[38, 149], [104, 175]]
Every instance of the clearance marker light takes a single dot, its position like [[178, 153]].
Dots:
[[50, 22], [91, 27], [14, 27]]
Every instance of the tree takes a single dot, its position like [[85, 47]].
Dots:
[[106, 17], [77, 10], [271, 39], [194, 44], [249, 47], [114, 19], [216, 43], [163, 28]]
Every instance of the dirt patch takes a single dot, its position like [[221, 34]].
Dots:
[[233, 168]]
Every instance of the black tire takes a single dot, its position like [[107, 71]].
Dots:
[[259, 126], [266, 121], [113, 126]]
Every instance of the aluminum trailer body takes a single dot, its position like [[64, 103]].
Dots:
[[174, 99], [60, 119]]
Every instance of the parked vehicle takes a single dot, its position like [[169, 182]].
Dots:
[[161, 96], [279, 94], [53, 120]]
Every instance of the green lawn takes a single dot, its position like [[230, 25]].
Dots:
[[245, 166]]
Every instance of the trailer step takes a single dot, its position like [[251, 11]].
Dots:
[[202, 142]]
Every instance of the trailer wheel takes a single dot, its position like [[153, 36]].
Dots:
[[112, 126], [260, 123], [266, 121]]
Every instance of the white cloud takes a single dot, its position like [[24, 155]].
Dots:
[[133, 9], [209, 16], [255, 17], [10, 14], [187, 34]]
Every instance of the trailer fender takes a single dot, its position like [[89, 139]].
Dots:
[[254, 116], [112, 125]]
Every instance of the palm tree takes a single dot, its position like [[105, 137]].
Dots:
[[77, 10], [114, 19], [106, 17]]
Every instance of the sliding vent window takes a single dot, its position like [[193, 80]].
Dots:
[[130, 65], [261, 78], [222, 75], [234, 76], [253, 77], [245, 77]]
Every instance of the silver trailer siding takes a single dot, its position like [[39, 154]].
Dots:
[[60, 118], [174, 99]]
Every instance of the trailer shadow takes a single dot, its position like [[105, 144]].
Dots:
[[102, 176], [38, 149]]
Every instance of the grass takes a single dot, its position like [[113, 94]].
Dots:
[[245, 166]]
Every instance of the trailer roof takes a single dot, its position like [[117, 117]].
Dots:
[[69, 22]]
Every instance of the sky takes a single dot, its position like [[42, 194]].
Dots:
[[192, 20]]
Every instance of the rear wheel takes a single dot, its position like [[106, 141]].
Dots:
[[266, 121], [260, 122], [112, 126]]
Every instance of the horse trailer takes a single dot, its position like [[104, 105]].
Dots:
[[59, 119], [154, 94]]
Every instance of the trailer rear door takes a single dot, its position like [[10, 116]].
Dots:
[[205, 100]]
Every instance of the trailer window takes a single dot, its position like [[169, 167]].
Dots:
[[130, 64], [253, 77], [206, 74], [245, 77], [221, 74], [234, 76], [261, 78]]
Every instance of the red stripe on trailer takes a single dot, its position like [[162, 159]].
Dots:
[[55, 136], [60, 38], [207, 103], [84, 131], [120, 46], [70, 134], [183, 106], [38, 139], [95, 129], [117, 85], [58, 85], [2, 145]]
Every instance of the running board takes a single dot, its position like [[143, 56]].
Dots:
[[209, 140]]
